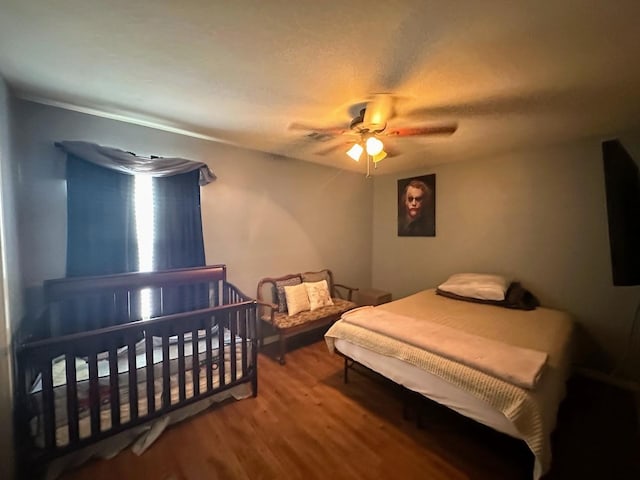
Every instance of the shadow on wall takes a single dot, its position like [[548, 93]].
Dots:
[[34, 302], [282, 215]]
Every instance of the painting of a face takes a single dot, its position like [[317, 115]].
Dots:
[[416, 206], [413, 201]]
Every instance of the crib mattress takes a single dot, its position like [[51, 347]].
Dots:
[[82, 384]]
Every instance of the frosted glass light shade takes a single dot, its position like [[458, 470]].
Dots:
[[380, 156], [355, 151], [374, 146]]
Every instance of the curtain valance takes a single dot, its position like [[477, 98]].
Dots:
[[130, 163]]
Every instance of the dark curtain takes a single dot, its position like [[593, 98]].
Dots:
[[178, 222], [101, 240], [101, 236], [178, 237]]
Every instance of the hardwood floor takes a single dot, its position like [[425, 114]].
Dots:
[[306, 423]]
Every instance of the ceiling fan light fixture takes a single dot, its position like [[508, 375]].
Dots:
[[374, 146], [355, 151], [380, 156]]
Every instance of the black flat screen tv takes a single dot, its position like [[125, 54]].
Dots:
[[622, 184]]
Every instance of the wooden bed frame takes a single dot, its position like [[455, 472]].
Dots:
[[411, 401], [115, 299]]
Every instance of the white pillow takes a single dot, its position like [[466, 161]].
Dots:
[[476, 285], [297, 298], [318, 293]]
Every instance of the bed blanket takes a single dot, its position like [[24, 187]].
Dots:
[[520, 366], [512, 401]]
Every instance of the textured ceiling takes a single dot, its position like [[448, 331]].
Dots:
[[512, 74]]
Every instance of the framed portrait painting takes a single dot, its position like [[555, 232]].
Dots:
[[417, 206]]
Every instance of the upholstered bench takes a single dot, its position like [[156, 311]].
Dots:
[[272, 305]]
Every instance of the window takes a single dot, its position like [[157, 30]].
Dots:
[[120, 223], [143, 207]]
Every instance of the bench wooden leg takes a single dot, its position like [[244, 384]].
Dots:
[[283, 348], [260, 333]]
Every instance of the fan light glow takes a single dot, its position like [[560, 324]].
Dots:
[[380, 156], [374, 146], [355, 152], [374, 150]]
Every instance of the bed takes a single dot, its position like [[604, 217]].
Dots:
[[87, 392], [524, 411]]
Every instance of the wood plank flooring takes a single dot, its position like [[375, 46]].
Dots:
[[306, 423]]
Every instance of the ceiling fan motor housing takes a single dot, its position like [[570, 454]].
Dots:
[[358, 125]]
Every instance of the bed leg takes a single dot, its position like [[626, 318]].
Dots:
[[416, 401], [346, 370], [411, 403], [405, 408]]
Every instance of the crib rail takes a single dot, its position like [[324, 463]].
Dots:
[[88, 303], [82, 387], [238, 353]]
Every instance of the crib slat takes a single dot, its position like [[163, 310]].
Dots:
[[111, 308], [254, 349], [216, 294], [181, 368], [94, 394], [207, 326], [114, 301], [48, 410], [243, 335], [78, 313], [121, 301], [133, 379], [195, 362], [105, 307], [157, 301], [134, 305], [233, 322], [166, 364], [94, 308], [72, 397], [221, 332], [188, 297], [225, 295], [151, 396], [114, 387]]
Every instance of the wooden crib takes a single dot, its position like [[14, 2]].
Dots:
[[101, 368]]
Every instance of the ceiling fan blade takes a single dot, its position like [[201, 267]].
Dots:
[[529, 102], [311, 128], [333, 148], [415, 131], [378, 111]]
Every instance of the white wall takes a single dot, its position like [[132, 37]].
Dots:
[[11, 308], [264, 216], [538, 216]]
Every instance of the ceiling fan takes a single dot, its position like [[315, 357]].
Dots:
[[367, 131]]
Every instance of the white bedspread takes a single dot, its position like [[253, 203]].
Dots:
[[517, 365]]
